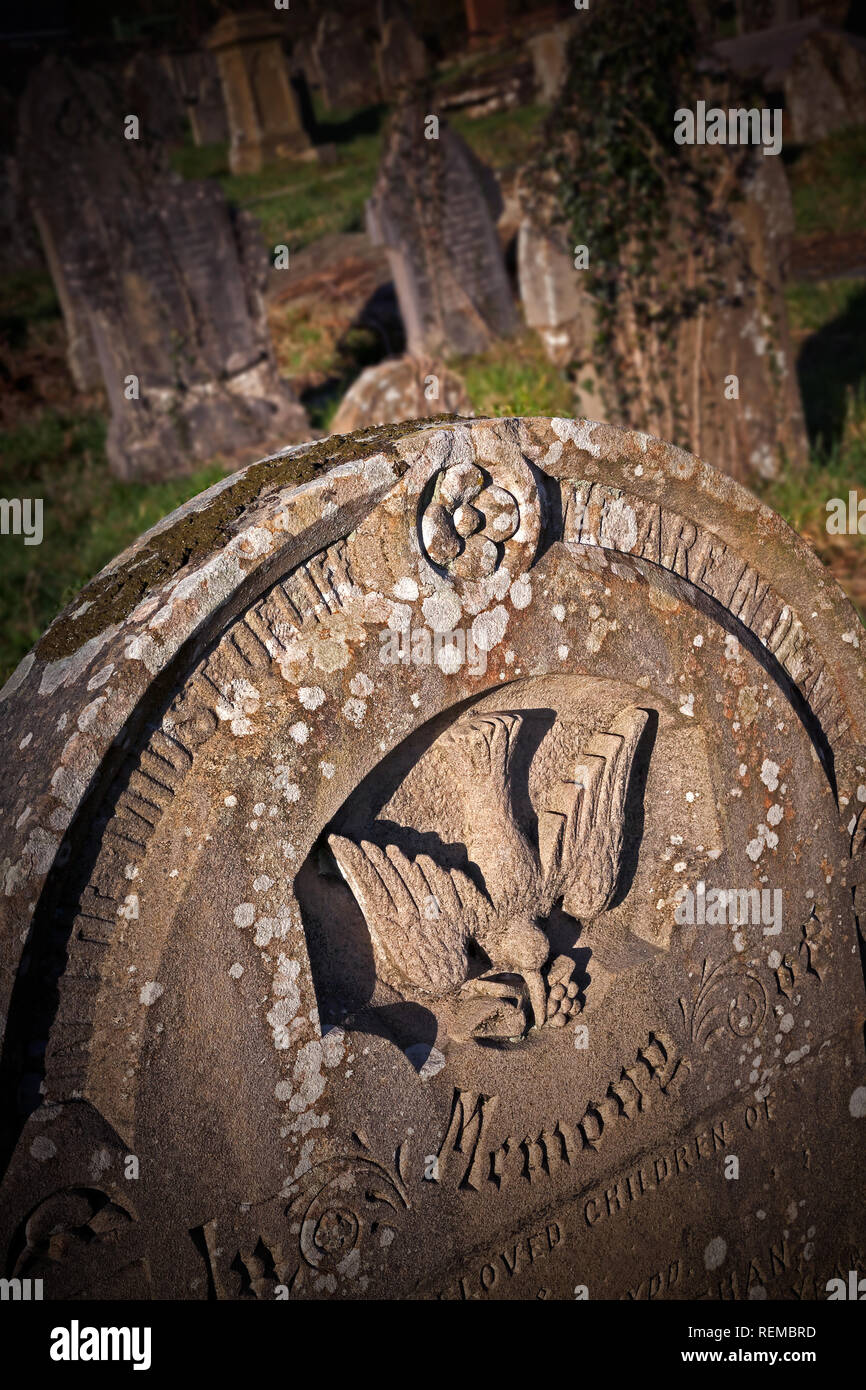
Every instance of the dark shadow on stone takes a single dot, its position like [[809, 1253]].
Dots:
[[409, 1026], [634, 809], [367, 121], [830, 363], [376, 332]]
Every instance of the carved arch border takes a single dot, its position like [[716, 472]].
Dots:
[[566, 455]]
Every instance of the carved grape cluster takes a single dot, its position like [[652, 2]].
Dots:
[[563, 1003]]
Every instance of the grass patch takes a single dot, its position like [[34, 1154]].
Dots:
[[88, 517], [200, 161], [827, 184], [504, 138], [802, 500], [294, 204], [515, 378]]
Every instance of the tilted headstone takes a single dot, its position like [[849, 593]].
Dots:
[[820, 73], [344, 63], [549, 51], [197, 78], [264, 119], [153, 95], [401, 56], [438, 875], [697, 344], [434, 208], [138, 257]]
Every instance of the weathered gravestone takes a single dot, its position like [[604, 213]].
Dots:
[[440, 876], [549, 51], [344, 63], [152, 94], [819, 73], [434, 207], [160, 281], [656, 267], [264, 119], [401, 57], [197, 78]]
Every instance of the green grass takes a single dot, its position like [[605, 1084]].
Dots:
[[294, 204], [802, 500], [828, 186], [514, 378], [504, 138], [88, 518]]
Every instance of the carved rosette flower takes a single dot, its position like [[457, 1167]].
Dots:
[[472, 522]]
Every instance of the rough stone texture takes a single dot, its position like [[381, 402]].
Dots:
[[434, 208], [374, 964], [554, 300], [401, 388], [135, 252], [263, 115], [152, 94], [344, 63], [401, 57], [821, 73], [681, 372], [196, 75], [549, 52]]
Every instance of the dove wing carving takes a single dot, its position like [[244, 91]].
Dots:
[[585, 819], [419, 915]]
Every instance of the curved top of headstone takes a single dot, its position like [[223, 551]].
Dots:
[[234, 29], [243, 693]]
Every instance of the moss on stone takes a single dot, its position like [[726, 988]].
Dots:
[[110, 597]]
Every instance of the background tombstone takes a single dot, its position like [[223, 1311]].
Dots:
[[401, 56], [819, 71], [347, 78], [554, 300], [656, 268], [136, 253], [153, 95], [263, 115], [549, 51], [398, 1116], [197, 78], [434, 208]]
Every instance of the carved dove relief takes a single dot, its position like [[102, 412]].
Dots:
[[425, 920]]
